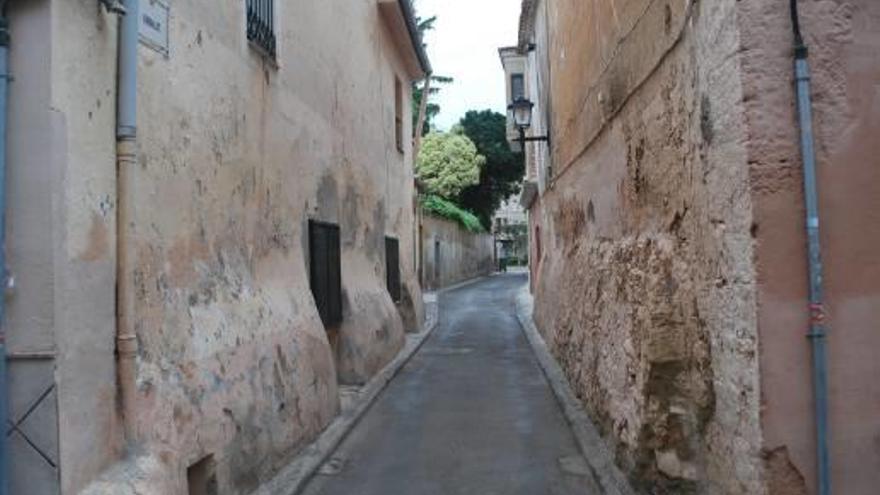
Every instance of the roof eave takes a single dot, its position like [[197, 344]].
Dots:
[[415, 36]]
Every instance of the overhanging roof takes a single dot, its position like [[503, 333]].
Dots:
[[401, 21]]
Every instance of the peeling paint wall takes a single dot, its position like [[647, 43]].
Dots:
[[235, 156], [645, 285], [452, 254], [671, 282]]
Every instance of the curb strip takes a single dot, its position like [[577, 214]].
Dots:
[[611, 480]]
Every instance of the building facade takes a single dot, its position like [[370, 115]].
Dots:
[[669, 249], [510, 228], [187, 291]]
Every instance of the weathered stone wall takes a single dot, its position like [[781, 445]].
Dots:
[[645, 288], [235, 156], [843, 38], [451, 254]]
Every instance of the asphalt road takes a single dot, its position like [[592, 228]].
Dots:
[[471, 413]]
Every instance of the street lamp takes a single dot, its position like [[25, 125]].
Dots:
[[521, 114], [114, 6]]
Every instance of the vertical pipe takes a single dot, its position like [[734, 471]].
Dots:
[[4, 82], [817, 331], [126, 160]]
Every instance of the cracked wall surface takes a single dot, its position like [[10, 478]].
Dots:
[[236, 154], [645, 287], [671, 282]]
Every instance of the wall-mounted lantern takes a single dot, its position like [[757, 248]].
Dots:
[[521, 115], [113, 6]]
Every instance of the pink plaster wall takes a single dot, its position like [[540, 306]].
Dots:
[[844, 37]]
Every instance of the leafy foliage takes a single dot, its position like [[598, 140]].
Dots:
[[448, 163], [503, 171], [446, 209]]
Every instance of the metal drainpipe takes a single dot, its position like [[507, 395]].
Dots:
[[4, 83], [126, 160], [817, 333]]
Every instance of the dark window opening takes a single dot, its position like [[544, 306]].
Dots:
[[325, 273], [392, 267], [261, 25], [517, 86], [437, 263], [201, 478], [398, 114]]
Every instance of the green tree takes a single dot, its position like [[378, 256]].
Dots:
[[503, 172], [432, 109], [448, 163]]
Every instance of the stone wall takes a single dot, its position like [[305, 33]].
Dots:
[[451, 254], [236, 154], [672, 278], [645, 288]]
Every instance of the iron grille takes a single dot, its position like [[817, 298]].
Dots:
[[325, 274], [261, 24], [392, 267]]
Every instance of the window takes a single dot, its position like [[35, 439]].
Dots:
[[201, 477], [325, 274], [392, 267], [517, 87], [261, 25], [398, 114], [538, 252]]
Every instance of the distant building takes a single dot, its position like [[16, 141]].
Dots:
[[510, 228]]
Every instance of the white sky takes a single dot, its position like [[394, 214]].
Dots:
[[464, 45]]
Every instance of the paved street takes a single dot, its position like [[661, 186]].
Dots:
[[471, 413]]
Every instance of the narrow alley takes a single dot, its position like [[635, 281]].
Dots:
[[439, 247], [470, 413]]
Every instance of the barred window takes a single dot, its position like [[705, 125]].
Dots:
[[325, 271], [261, 25]]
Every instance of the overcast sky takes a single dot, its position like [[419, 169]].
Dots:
[[464, 45]]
